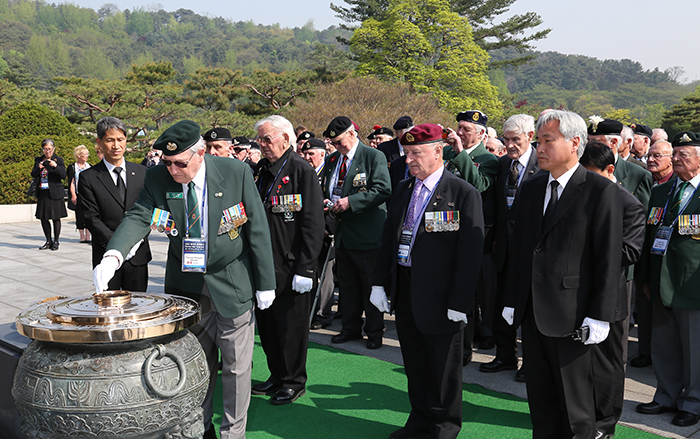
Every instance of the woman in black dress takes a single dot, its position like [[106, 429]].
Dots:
[[50, 170]]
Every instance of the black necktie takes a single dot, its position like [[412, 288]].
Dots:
[[553, 199], [513, 174], [121, 188]]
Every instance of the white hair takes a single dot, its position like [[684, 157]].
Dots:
[[280, 125], [520, 124], [571, 126], [627, 133]]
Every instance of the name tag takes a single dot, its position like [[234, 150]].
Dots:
[[194, 255], [510, 195], [660, 245], [337, 193], [404, 246], [176, 195]]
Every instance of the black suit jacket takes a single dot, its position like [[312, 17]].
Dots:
[[54, 176], [398, 171], [103, 210], [390, 148], [568, 268], [505, 217], [633, 215], [445, 266]]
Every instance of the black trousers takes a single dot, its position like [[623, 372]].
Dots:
[[559, 384], [504, 335], [130, 277], [355, 268], [433, 365], [284, 335]]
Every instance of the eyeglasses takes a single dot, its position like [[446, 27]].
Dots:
[[335, 143], [178, 163], [266, 140], [658, 156]]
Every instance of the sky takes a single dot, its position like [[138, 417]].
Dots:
[[656, 34]]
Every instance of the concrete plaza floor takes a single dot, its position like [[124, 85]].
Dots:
[[28, 275]]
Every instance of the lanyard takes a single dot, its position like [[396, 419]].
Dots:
[[201, 212], [422, 209], [680, 211], [274, 182]]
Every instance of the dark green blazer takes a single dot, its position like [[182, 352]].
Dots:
[[360, 227], [478, 168], [635, 179], [675, 277], [237, 267]]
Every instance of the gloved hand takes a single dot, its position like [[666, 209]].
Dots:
[[378, 298], [265, 298], [508, 315], [133, 250], [456, 316], [597, 330], [302, 284], [104, 272]]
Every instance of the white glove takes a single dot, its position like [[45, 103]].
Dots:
[[508, 315], [456, 316], [302, 284], [265, 298], [104, 272], [378, 298], [598, 330], [133, 250]]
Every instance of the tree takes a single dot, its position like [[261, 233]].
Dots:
[[278, 90], [684, 116], [430, 47], [482, 16]]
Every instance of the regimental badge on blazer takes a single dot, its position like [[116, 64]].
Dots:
[[442, 221], [162, 221], [360, 181], [286, 203], [232, 219]]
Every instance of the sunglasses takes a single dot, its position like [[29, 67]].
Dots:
[[178, 163]]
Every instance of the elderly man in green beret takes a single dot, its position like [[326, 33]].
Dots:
[[669, 272], [219, 254]]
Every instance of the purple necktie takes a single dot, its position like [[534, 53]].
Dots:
[[411, 214]]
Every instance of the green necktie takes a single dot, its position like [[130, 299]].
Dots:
[[677, 200], [193, 217]]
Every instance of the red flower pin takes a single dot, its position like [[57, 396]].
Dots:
[[285, 179]]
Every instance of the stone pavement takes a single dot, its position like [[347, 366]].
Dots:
[[28, 275]]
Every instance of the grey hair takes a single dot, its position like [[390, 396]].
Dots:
[[609, 137], [627, 133], [200, 144], [281, 125], [571, 126], [108, 123], [520, 124], [47, 142]]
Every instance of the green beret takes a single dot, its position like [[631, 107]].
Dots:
[[178, 138], [686, 138]]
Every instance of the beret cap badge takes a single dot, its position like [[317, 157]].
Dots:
[[595, 120], [213, 135], [410, 137], [171, 146], [685, 138], [475, 116], [332, 133]]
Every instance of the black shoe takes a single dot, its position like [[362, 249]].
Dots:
[[266, 388], [487, 343], [685, 419], [653, 408], [54, 247], [603, 435], [210, 433], [407, 433], [520, 375], [374, 342], [345, 336], [285, 395], [641, 361], [316, 325], [47, 245], [466, 358], [497, 366]]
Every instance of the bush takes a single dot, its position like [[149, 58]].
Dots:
[[32, 119]]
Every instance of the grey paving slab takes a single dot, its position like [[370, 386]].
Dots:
[[23, 271]]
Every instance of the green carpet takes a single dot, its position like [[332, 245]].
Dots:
[[351, 396]]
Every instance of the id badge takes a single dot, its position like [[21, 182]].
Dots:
[[44, 184], [510, 195], [404, 246], [337, 192], [194, 255], [660, 245]]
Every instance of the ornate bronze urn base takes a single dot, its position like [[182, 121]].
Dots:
[[114, 365]]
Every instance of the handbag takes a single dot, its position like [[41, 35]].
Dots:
[[31, 192]]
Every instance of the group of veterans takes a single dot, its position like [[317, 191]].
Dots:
[[555, 236]]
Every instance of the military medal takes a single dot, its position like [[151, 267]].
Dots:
[[233, 233], [655, 215], [162, 221], [231, 219]]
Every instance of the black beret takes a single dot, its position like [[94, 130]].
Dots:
[[254, 145], [384, 131], [402, 123], [178, 138], [241, 142], [473, 116], [306, 135], [603, 127], [642, 130], [337, 127], [314, 143], [218, 133], [686, 138]]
